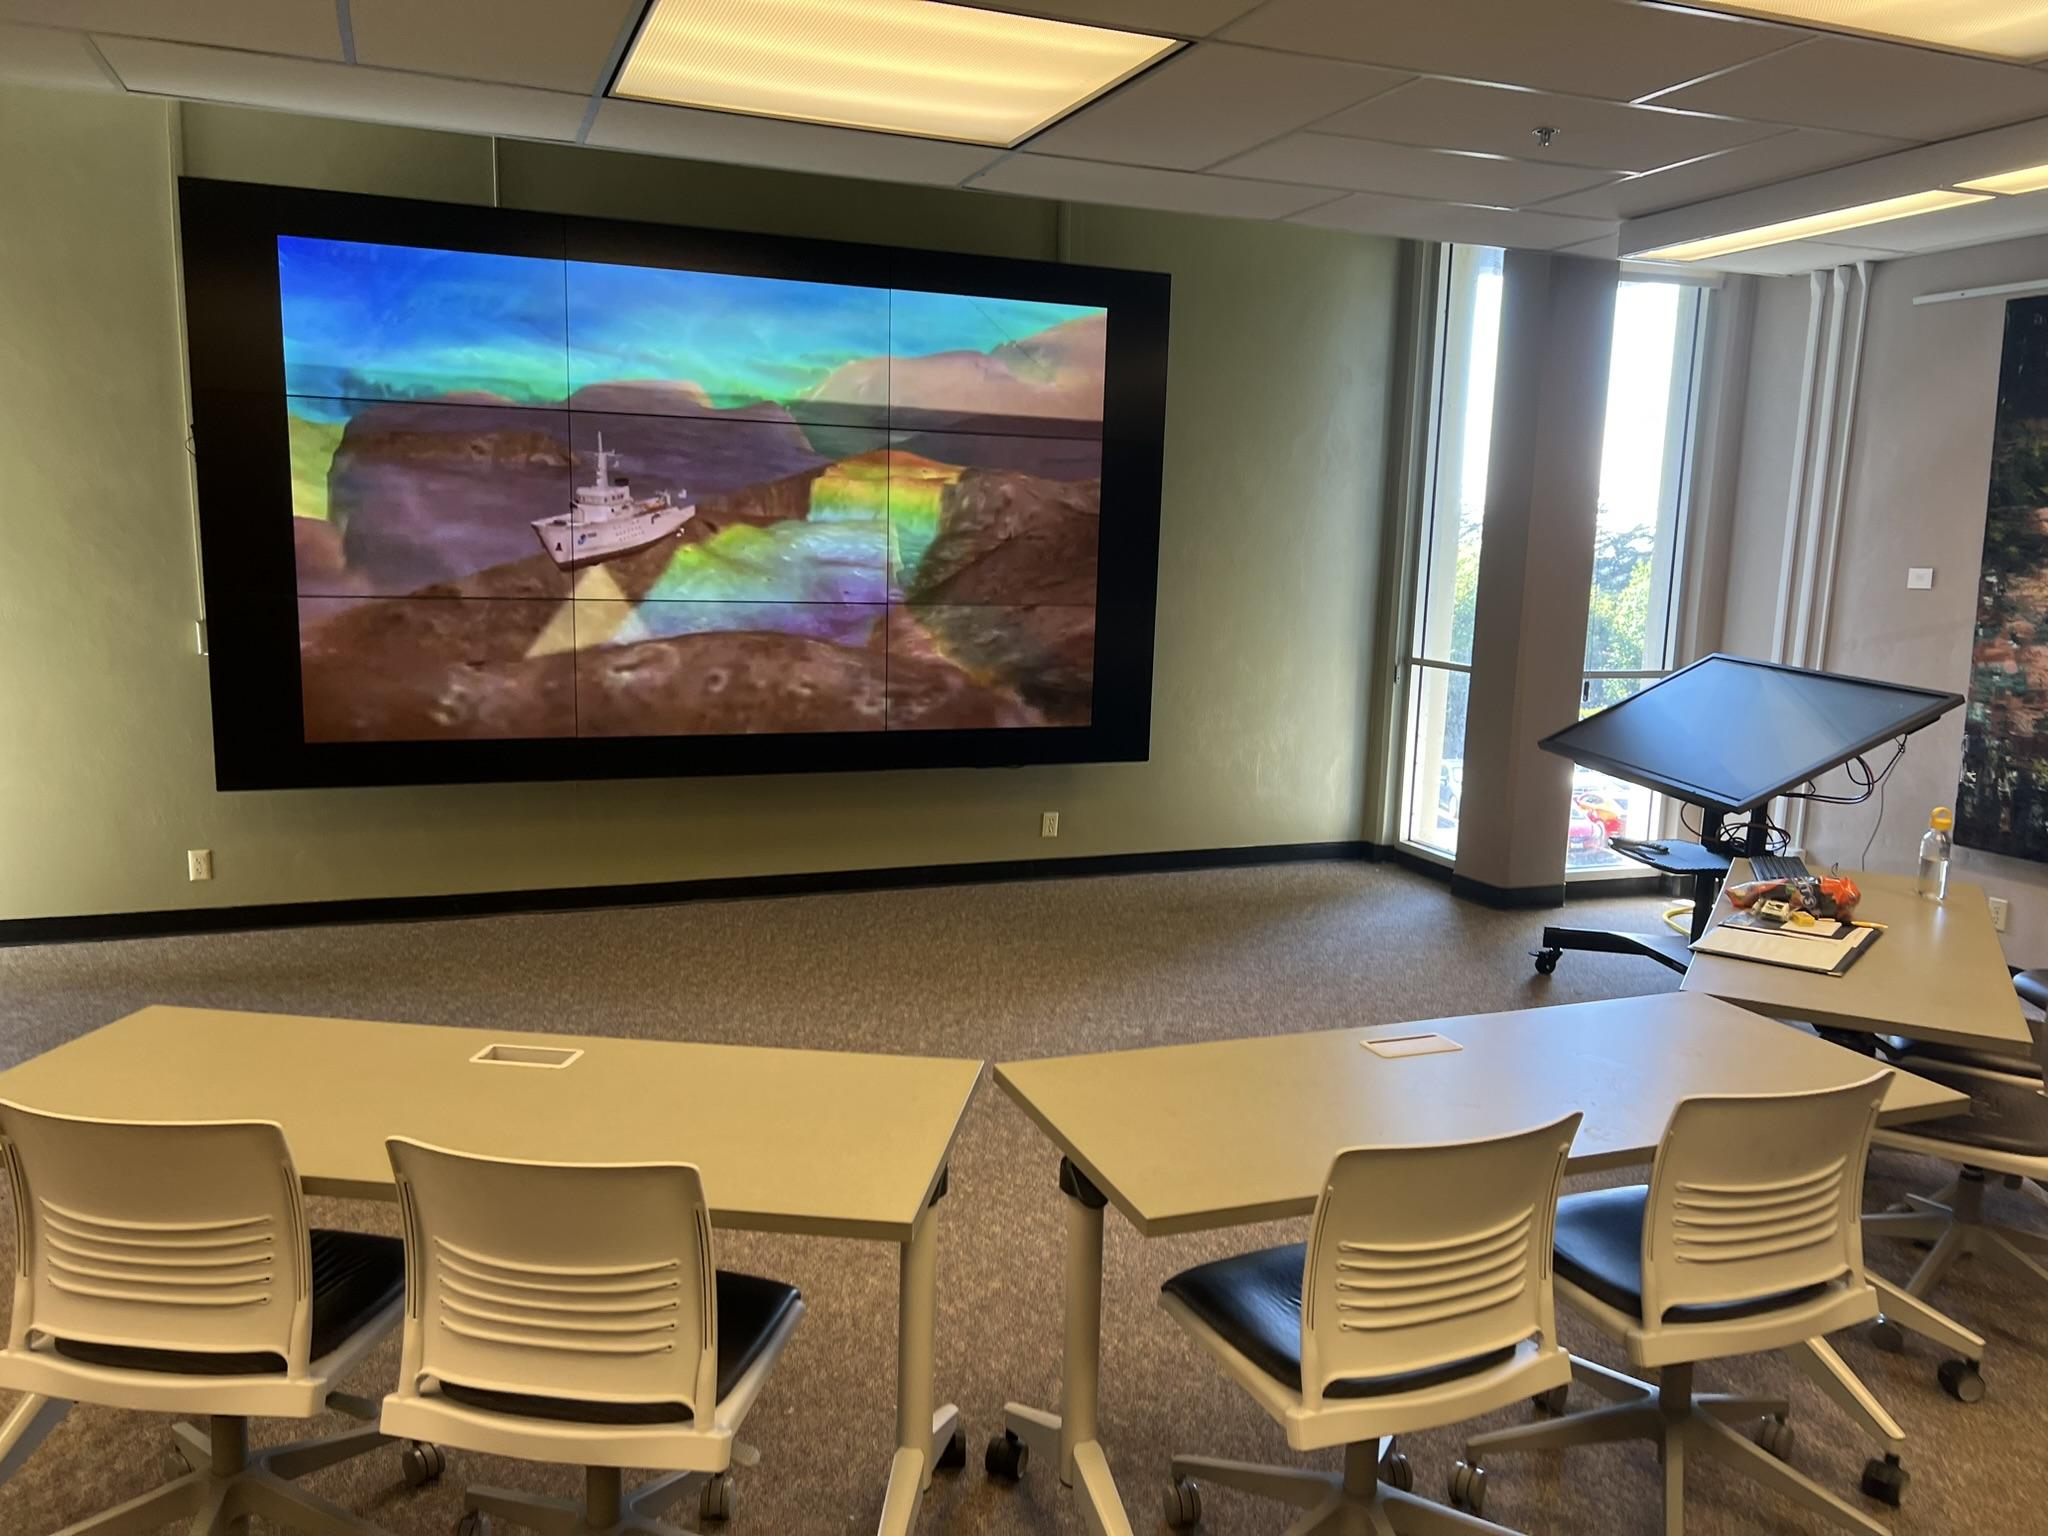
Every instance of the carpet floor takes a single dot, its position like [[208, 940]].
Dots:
[[1001, 972]]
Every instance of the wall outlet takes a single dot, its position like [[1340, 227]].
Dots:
[[2001, 912], [198, 863], [1919, 578], [1049, 824]]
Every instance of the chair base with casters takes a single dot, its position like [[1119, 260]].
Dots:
[[607, 1507], [1371, 1497], [228, 1483]]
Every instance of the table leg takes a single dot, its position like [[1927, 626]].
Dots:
[[1068, 1439], [25, 1428], [922, 1432]]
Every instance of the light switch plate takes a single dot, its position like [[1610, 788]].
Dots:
[[1919, 578]]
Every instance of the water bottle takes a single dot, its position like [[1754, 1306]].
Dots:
[[1934, 849]]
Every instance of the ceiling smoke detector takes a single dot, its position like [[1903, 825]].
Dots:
[[1544, 136]]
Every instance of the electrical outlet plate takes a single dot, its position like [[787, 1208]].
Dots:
[[198, 863], [1919, 578], [1049, 824], [2001, 912]]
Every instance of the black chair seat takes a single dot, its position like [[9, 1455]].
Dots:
[[1600, 1250], [2009, 1117], [2032, 987], [1254, 1302], [1927, 1056], [750, 1309], [355, 1276]]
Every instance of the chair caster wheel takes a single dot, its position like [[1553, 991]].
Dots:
[[1183, 1504], [1546, 960], [1775, 1436], [1551, 1403], [421, 1462], [1397, 1472], [1006, 1457], [1961, 1380], [954, 1456], [716, 1501], [1468, 1487], [1885, 1480], [473, 1523], [1887, 1336]]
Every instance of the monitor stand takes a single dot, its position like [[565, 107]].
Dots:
[[1706, 861]]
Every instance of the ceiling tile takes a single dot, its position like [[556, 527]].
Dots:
[[1797, 153], [50, 56], [310, 28], [1091, 181], [1367, 213], [1209, 103], [1581, 47], [1364, 165], [1497, 120], [1174, 18], [1867, 87], [523, 42], [342, 90], [735, 139]]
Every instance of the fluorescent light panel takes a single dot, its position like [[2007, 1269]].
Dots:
[[918, 67], [1810, 227], [2005, 29], [2011, 183]]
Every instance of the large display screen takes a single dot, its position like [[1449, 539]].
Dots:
[[490, 495]]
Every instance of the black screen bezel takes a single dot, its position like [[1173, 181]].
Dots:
[[242, 456]]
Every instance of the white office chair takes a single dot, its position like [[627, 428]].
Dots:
[[1744, 1240], [1422, 1298], [168, 1268], [572, 1313]]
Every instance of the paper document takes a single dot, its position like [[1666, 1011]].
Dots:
[[1820, 928], [1828, 957]]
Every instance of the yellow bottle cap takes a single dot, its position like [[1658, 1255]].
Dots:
[[1942, 819]]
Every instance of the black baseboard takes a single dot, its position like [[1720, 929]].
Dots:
[[1507, 897], [178, 922]]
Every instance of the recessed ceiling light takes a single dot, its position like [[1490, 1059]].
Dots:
[[2012, 183], [1807, 228], [2006, 29], [919, 67]]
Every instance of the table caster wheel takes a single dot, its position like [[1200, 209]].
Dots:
[[1006, 1457], [1887, 1336], [1885, 1480], [1397, 1472], [421, 1462], [716, 1501], [1546, 960], [1775, 1436], [1961, 1380], [473, 1523], [1552, 1402], [1183, 1504], [954, 1456], [1468, 1487]]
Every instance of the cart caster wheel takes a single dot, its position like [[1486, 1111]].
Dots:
[[1887, 1336], [1183, 1504], [421, 1463], [1397, 1472], [1006, 1457], [1551, 1403], [1468, 1487], [1885, 1480], [474, 1523], [954, 1456], [716, 1500], [1961, 1380], [1775, 1436], [1546, 960]]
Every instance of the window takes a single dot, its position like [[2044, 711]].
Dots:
[[1459, 436], [1652, 387]]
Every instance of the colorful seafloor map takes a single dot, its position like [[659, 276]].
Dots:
[[836, 507]]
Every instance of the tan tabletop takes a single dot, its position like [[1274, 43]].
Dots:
[[787, 1141], [1187, 1137], [1936, 973]]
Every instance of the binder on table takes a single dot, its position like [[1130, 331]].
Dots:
[[1790, 948]]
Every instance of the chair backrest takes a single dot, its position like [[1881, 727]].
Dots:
[[1424, 1255], [175, 1236], [592, 1282], [1756, 1195]]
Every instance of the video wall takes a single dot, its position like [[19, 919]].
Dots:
[[551, 484]]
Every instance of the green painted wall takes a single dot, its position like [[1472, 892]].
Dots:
[[1282, 341]]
